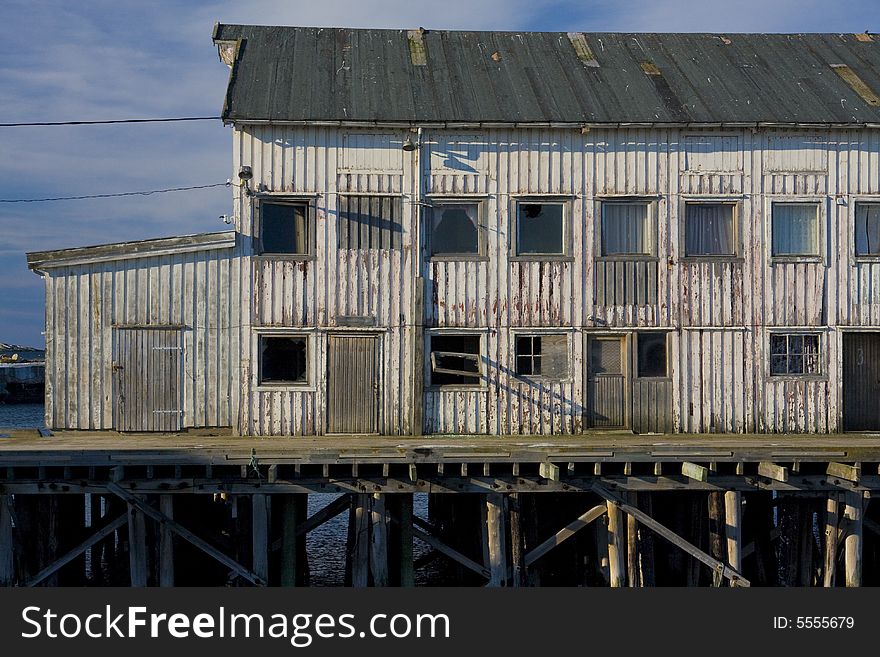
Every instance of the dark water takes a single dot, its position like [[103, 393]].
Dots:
[[325, 545]]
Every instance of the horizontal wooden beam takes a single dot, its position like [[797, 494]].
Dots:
[[185, 534], [851, 473], [694, 471], [717, 566], [565, 533], [102, 533], [773, 471]]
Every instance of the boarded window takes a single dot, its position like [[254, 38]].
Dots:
[[540, 229], [795, 229], [709, 229], [868, 229], [285, 228], [625, 229], [455, 360], [651, 349], [542, 355], [283, 359], [454, 229], [369, 222], [794, 354]]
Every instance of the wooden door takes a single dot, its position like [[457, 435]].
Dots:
[[606, 382], [353, 384], [147, 379], [861, 381]]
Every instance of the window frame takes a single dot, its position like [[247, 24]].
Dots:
[[482, 243], [311, 219], [736, 204], [482, 384], [853, 214], [822, 375], [651, 218], [538, 333], [821, 227], [636, 369], [311, 353], [567, 219]]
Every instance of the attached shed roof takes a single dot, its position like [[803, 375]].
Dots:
[[302, 74], [130, 250]]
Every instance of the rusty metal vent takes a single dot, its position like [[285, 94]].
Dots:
[[857, 84], [582, 49]]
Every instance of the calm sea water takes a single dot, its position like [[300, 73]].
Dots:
[[325, 545]]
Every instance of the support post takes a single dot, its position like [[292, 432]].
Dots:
[[853, 543], [137, 546], [716, 532], [7, 562], [733, 528], [286, 506], [616, 569], [517, 542], [495, 537], [359, 550], [403, 507], [166, 543], [832, 522], [633, 569], [260, 535], [379, 540]]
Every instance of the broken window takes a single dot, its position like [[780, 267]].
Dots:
[[283, 359], [794, 354], [453, 229], [540, 228], [625, 229], [868, 229], [369, 222], [709, 229], [795, 229], [542, 355], [285, 228], [651, 348], [455, 360]]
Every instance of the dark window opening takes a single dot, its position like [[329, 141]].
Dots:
[[454, 229], [709, 229], [285, 228], [542, 355], [283, 360], [868, 229], [794, 354], [455, 360], [651, 355], [540, 229]]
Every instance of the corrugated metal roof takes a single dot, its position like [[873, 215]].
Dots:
[[339, 74]]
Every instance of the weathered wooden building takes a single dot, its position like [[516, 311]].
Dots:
[[504, 233]]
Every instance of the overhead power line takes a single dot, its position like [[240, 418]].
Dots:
[[146, 193], [104, 122]]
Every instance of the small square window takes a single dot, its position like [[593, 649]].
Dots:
[[542, 355], [283, 360], [868, 229], [651, 355], [454, 229], [285, 228], [709, 229], [794, 354], [540, 228], [625, 229], [795, 229], [455, 360]]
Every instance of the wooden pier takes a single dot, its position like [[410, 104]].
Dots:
[[596, 510]]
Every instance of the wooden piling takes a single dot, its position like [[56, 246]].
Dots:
[[616, 553], [285, 506], [378, 540], [359, 540], [832, 523], [716, 532], [400, 509], [137, 547], [733, 528], [495, 539], [517, 542], [7, 555], [166, 543], [260, 535], [853, 544], [633, 570], [646, 543]]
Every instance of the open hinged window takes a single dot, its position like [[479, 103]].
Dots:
[[455, 360]]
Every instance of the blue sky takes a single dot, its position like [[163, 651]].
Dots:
[[109, 59]]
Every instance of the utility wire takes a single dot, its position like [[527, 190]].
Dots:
[[164, 120], [79, 198]]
